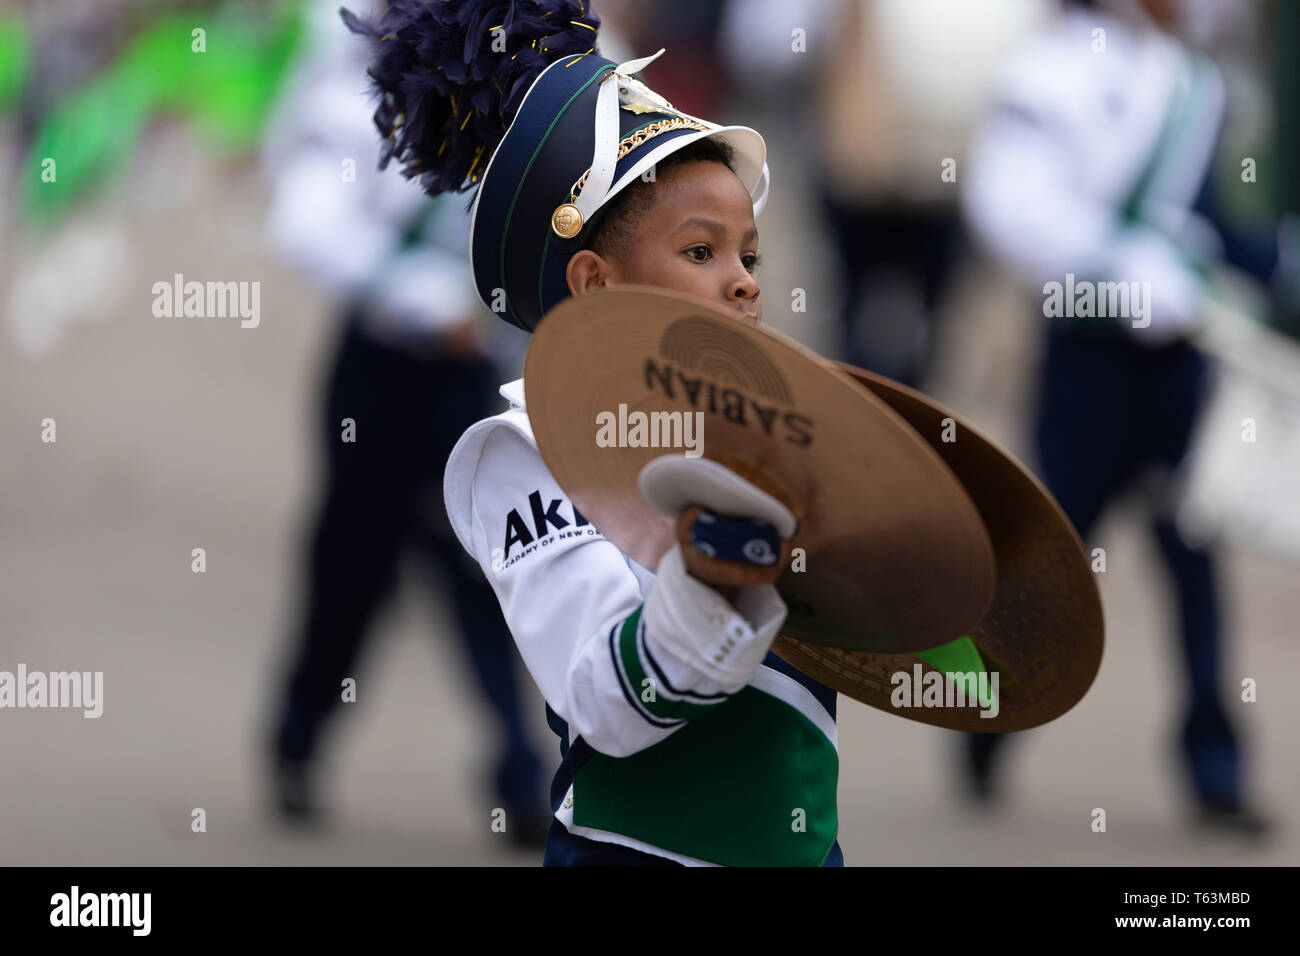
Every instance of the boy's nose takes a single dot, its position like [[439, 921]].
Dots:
[[742, 293]]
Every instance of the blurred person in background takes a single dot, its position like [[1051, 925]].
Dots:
[[411, 373], [1097, 163], [896, 95], [89, 88], [693, 78], [881, 95]]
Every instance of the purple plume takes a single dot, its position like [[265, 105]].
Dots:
[[445, 95]]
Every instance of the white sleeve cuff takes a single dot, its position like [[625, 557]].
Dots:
[[1171, 289], [699, 628]]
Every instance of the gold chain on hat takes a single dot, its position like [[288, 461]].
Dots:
[[567, 218]]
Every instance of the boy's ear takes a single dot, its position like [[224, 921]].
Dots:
[[586, 271]]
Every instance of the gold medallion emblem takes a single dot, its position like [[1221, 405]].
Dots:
[[566, 220]]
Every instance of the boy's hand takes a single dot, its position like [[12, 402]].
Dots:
[[727, 552], [719, 634], [733, 533], [713, 606]]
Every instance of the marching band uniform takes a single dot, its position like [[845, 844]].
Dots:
[[684, 740], [1096, 165]]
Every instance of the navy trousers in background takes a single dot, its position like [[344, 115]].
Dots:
[[382, 498], [1110, 409]]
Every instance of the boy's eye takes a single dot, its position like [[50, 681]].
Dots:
[[699, 253], [751, 261]]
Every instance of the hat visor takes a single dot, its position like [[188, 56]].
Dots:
[[749, 159]]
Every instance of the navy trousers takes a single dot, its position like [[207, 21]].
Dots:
[[383, 499], [1109, 410]]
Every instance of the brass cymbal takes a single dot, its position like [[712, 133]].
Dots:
[[1043, 634], [891, 554]]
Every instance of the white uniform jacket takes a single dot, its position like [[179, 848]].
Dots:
[[601, 636]]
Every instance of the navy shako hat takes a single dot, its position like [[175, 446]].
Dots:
[[514, 98]]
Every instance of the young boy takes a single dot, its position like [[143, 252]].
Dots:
[[684, 739]]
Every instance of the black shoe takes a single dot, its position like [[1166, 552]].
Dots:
[[978, 779], [1232, 818], [294, 796]]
